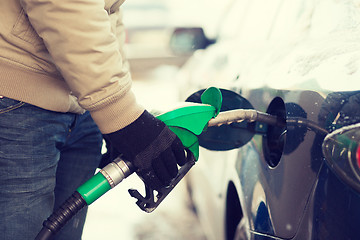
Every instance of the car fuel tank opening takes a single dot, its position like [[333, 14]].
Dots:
[[274, 139]]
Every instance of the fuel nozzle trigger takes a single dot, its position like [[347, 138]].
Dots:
[[187, 122], [153, 198]]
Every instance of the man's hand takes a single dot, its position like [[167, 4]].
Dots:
[[152, 148]]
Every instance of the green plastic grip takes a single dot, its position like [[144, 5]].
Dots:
[[190, 121], [94, 188]]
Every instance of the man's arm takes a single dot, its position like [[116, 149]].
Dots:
[[80, 39]]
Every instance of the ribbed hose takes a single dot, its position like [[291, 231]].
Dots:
[[61, 216]]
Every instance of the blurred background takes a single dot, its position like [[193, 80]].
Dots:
[[154, 67], [150, 25]]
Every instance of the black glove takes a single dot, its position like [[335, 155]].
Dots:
[[152, 148]]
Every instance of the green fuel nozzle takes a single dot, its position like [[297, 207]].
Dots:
[[187, 122], [190, 120]]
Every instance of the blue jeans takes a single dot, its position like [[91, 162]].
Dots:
[[44, 157]]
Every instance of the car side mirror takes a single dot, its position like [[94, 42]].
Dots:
[[185, 41], [226, 137]]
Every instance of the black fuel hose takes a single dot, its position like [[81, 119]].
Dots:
[[61, 216]]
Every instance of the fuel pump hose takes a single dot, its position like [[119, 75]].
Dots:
[[107, 178]]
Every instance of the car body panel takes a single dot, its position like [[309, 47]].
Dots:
[[283, 190]]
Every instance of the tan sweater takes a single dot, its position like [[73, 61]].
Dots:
[[67, 56]]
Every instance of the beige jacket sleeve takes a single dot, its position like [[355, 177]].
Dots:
[[85, 42]]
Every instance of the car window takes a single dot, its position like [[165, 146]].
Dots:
[[332, 17], [292, 20], [233, 19], [258, 20]]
